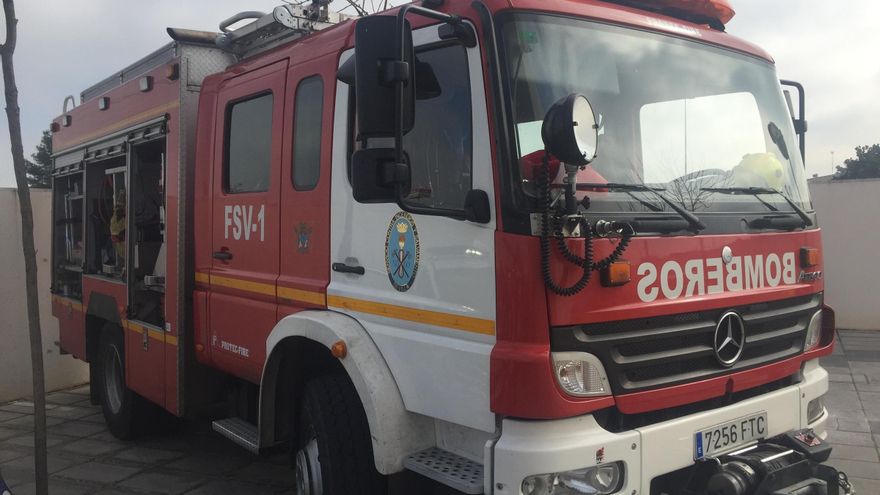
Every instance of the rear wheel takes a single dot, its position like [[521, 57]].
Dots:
[[334, 453], [122, 408]]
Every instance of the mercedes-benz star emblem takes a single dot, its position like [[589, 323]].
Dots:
[[730, 338]]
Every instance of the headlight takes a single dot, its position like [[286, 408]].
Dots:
[[814, 331], [580, 374], [815, 409], [600, 480]]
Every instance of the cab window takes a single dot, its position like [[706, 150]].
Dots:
[[307, 133], [248, 145], [440, 145]]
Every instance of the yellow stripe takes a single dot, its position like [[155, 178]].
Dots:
[[288, 293], [245, 285], [448, 320], [122, 124], [154, 334], [306, 296], [73, 303]]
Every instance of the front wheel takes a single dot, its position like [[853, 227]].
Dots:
[[333, 454]]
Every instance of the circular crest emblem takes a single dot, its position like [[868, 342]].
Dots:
[[402, 251], [730, 338]]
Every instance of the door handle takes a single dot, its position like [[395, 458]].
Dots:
[[343, 268], [222, 255]]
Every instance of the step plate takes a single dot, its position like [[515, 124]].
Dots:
[[239, 431], [450, 469]]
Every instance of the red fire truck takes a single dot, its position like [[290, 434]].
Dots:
[[514, 246]]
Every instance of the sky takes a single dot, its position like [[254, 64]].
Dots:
[[830, 47]]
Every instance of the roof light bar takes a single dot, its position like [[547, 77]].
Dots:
[[715, 13]]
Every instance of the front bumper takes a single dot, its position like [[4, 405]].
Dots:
[[528, 448]]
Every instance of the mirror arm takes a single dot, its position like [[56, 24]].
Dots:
[[401, 52], [400, 83], [800, 124]]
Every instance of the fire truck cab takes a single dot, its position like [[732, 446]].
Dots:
[[514, 246]]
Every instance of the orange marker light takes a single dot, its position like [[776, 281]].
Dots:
[[809, 257], [616, 274], [339, 349]]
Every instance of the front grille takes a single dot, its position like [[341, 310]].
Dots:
[[651, 353]]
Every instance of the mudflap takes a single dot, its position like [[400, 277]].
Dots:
[[789, 464]]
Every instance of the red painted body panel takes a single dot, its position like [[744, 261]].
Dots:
[[71, 325], [128, 108], [597, 304], [521, 376], [522, 383], [243, 301], [305, 262]]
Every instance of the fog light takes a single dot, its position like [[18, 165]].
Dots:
[[580, 374], [599, 480], [815, 409], [814, 331]]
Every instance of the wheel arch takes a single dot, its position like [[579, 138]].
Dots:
[[395, 432]]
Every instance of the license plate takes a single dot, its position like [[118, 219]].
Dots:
[[727, 436]]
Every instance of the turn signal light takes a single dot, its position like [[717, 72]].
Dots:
[[339, 350], [616, 274], [809, 257]]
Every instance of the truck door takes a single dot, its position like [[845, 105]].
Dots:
[[305, 188], [245, 190], [424, 286]]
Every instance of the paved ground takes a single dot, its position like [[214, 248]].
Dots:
[[85, 459]]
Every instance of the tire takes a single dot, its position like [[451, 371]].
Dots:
[[123, 409], [333, 454]]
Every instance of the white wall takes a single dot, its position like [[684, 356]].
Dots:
[[15, 357], [849, 215]]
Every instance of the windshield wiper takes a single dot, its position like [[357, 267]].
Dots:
[[695, 224], [755, 191]]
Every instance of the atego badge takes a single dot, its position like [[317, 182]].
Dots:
[[402, 251]]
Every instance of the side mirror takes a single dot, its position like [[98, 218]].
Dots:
[[380, 73], [376, 175], [570, 132]]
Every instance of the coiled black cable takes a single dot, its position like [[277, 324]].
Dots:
[[586, 262], [604, 263]]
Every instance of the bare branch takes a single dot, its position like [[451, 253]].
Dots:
[[357, 8]]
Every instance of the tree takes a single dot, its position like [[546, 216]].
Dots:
[[39, 171], [866, 164], [13, 115]]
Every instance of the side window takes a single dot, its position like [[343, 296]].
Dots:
[[309, 106], [248, 145], [440, 146]]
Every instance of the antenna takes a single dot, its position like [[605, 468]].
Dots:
[[285, 23]]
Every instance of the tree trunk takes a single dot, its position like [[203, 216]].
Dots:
[[30, 255]]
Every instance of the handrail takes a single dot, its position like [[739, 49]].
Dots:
[[248, 14]]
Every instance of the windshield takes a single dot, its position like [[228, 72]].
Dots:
[[678, 115]]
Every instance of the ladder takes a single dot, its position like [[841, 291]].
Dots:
[[285, 23]]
